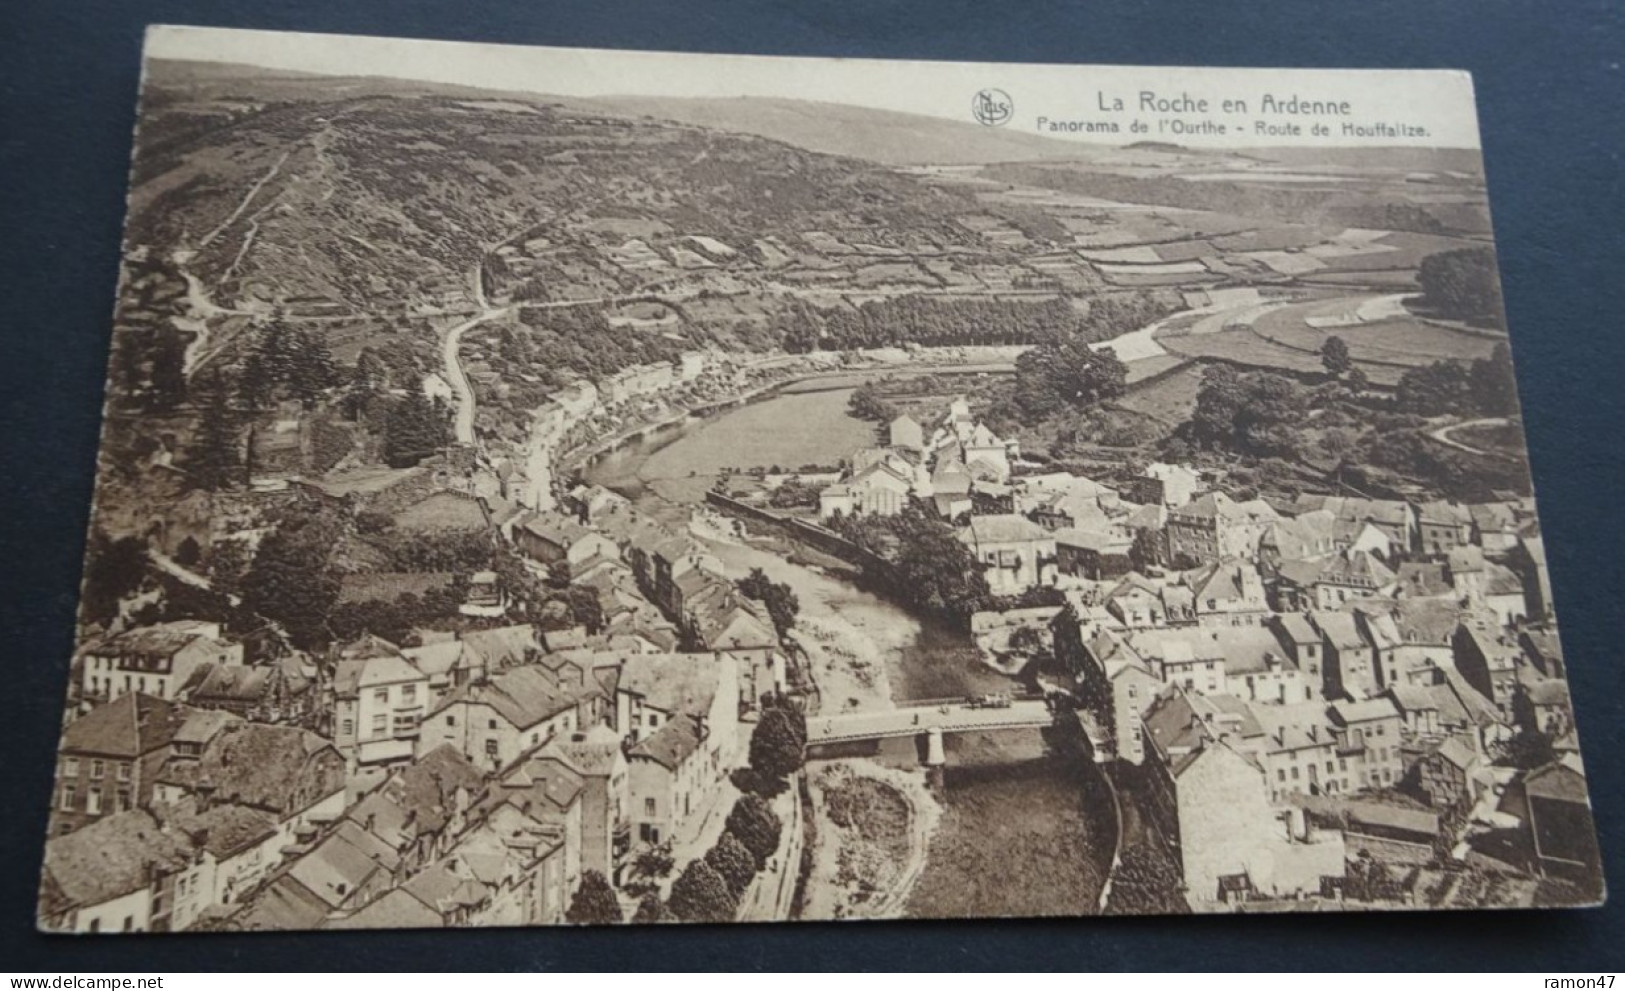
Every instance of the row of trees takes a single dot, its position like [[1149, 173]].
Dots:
[[935, 321], [783, 606]]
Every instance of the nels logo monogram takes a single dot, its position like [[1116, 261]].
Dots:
[[993, 107]]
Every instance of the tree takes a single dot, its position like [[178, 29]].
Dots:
[[866, 403], [1067, 373], [1357, 381], [701, 895], [594, 903], [1146, 550], [413, 430], [1461, 284], [776, 749], [228, 562], [733, 862], [652, 910], [289, 581], [214, 459], [113, 570], [1335, 358], [1433, 390], [1252, 413], [655, 861], [755, 826], [167, 377], [1145, 883], [1492, 385], [782, 604]]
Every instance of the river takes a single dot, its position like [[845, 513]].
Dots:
[[1018, 832]]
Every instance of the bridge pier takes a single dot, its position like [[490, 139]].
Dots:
[[935, 756]]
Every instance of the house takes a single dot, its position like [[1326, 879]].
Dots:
[[1395, 519], [674, 774], [540, 799], [1015, 553], [1093, 554], [421, 808], [1445, 774], [729, 623], [951, 489], [1488, 659], [289, 774], [1258, 666], [1214, 526], [1351, 666], [1188, 658], [379, 697], [278, 692], [1166, 485], [1303, 643], [1227, 593], [1137, 602], [905, 432], [1495, 527], [1392, 835], [115, 875], [1527, 558], [234, 847], [1309, 536], [1116, 684], [596, 756], [1442, 527], [551, 538], [1211, 804], [493, 722], [1368, 736], [155, 660], [881, 487], [1328, 582], [1561, 829], [109, 756]]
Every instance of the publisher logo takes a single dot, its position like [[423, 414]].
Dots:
[[993, 107]]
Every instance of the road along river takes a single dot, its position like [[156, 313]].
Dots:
[[1021, 832]]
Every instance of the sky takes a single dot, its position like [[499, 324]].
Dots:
[[1439, 102]]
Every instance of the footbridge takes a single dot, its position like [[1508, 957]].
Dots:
[[931, 719]]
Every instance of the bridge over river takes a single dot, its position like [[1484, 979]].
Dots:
[[931, 719]]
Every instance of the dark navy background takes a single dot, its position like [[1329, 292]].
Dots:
[[1552, 103]]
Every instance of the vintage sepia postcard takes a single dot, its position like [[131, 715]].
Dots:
[[543, 486]]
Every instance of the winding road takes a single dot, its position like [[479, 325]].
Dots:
[[1442, 435]]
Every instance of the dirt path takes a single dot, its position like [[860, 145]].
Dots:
[[1443, 435]]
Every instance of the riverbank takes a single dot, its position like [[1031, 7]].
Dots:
[[875, 826]]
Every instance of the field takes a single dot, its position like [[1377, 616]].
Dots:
[[1169, 399]]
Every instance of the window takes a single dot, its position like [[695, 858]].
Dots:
[[95, 926], [490, 724], [380, 723], [93, 801], [1280, 774], [68, 794], [380, 695], [123, 800], [451, 720], [648, 806], [348, 728], [490, 748], [96, 769], [1294, 772], [70, 767], [124, 772], [409, 693]]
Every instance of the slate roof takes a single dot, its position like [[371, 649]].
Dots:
[[524, 696], [685, 683], [129, 726], [110, 857], [161, 640], [397, 908], [224, 830], [1005, 528], [1557, 782], [670, 745], [265, 766]]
